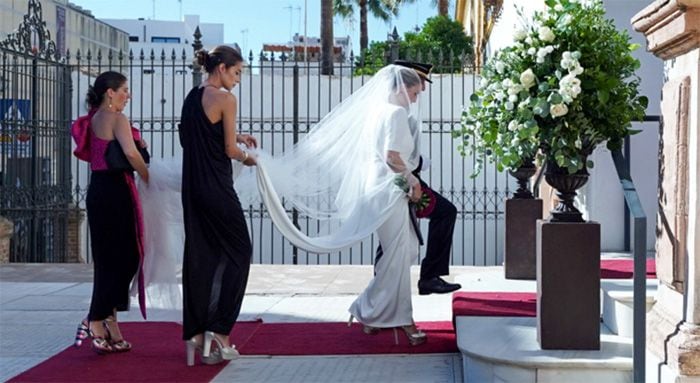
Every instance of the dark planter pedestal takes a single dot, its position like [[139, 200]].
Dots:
[[520, 248], [568, 285]]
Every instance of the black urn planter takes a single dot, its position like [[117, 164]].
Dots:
[[523, 175], [566, 185]]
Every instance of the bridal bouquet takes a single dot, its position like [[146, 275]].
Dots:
[[565, 85], [427, 201]]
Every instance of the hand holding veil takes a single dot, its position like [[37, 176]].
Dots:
[[338, 174]]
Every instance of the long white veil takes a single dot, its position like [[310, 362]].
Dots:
[[336, 173]]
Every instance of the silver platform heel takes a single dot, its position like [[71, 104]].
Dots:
[[227, 352]]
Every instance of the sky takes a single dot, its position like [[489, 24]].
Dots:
[[254, 23]]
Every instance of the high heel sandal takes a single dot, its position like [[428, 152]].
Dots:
[[193, 346], [369, 330], [414, 335], [100, 344], [82, 333], [227, 352], [120, 345]]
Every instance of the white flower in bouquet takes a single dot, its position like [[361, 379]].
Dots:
[[513, 126], [543, 52], [500, 67], [545, 34], [519, 34], [515, 89], [527, 78], [558, 110]]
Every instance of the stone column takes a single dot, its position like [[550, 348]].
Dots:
[[672, 29], [6, 231]]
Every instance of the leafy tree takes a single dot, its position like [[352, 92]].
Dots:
[[441, 42]]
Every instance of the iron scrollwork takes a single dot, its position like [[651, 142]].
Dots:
[[32, 36]]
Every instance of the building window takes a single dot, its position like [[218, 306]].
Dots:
[[170, 40], [134, 38]]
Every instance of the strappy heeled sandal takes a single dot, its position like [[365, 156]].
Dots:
[[101, 345], [369, 330], [227, 352], [414, 335], [193, 346], [82, 333], [120, 345]]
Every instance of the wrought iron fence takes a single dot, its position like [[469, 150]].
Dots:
[[279, 101], [34, 142]]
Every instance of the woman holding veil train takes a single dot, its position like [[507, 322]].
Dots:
[[217, 248], [351, 172]]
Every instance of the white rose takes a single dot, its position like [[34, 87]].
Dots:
[[509, 105], [513, 98], [527, 79], [558, 7], [483, 83], [513, 126], [500, 67], [515, 89], [545, 34], [532, 51], [558, 110], [519, 34]]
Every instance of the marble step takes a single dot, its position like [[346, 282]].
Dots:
[[617, 305], [506, 350]]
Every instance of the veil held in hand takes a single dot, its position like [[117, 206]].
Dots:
[[336, 174]]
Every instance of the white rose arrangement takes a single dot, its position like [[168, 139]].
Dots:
[[561, 89]]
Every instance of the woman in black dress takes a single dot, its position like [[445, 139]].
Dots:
[[113, 209], [218, 249]]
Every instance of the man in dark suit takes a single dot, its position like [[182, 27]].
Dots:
[[442, 219]]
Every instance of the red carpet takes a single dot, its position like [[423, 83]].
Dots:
[[622, 268], [503, 304], [159, 354], [339, 339]]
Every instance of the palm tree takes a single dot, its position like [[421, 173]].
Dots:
[[326, 37], [381, 9], [442, 6]]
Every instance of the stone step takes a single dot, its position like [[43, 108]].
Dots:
[[617, 298], [506, 350]]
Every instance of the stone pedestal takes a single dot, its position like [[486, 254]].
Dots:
[[672, 30], [520, 238], [568, 285], [6, 231]]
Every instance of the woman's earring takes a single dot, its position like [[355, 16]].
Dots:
[[110, 103]]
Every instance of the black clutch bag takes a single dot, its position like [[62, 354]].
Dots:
[[116, 159]]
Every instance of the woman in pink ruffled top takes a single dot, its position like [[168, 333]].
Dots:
[[113, 210]]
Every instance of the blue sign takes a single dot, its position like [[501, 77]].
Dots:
[[15, 140]]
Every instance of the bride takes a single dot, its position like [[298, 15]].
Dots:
[[351, 170]]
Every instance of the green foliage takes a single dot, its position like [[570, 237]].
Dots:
[[441, 42], [566, 85]]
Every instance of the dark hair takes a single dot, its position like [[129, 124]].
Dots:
[[106, 80], [220, 54], [409, 78]]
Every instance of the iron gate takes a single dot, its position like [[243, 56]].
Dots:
[[34, 142]]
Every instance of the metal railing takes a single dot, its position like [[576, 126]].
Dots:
[[639, 246]]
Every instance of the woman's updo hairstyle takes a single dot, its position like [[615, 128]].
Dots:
[[220, 54], [106, 80]]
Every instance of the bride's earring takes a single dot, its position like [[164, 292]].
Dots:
[[110, 103]]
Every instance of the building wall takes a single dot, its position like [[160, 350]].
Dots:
[[180, 33], [79, 29]]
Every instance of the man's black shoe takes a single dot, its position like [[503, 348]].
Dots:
[[436, 285]]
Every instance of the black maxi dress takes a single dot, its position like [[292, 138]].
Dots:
[[218, 249]]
